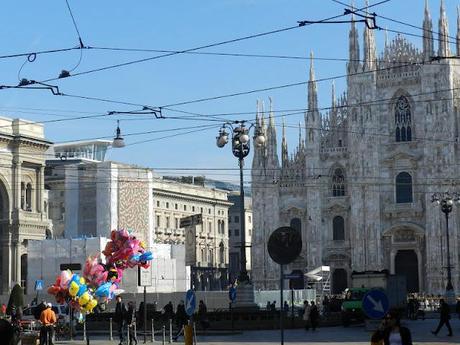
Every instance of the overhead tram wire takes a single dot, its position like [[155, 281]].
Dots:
[[435, 33], [211, 45], [75, 24]]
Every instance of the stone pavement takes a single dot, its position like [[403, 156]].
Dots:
[[330, 335]]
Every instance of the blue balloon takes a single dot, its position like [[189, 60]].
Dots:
[[83, 288], [103, 290], [135, 257], [147, 256]]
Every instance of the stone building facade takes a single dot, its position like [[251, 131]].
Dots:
[[359, 184], [234, 234], [23, 199], [171, 202]]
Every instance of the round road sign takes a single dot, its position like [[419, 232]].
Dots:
[[284, 245]]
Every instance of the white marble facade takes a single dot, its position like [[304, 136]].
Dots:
[[359, 184]]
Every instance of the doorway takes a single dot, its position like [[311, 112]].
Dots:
[[406, 264]]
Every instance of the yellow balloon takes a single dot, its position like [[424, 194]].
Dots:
[[90, 306], [84, 299], [82, 281], [73, 289]]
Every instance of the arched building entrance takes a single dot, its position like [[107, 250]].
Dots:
[[404, 252], [339, 281]]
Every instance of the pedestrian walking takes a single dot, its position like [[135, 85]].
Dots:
[[48, 320], [131, 321], [181, 319], [457, 308], [120, 318], [168, 311], [314, 316], [391, 332], [268, 306], [306, 315], [203, 315], [286, 307], [326, 306], [3, 310], [444, 318]]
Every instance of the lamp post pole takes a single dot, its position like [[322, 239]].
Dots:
[[240, 149], [243, 269], [446, 201], [449, 286]]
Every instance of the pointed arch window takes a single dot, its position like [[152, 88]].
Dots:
[[221, 253], [296, 224], [338, 228], [403, 120], [403, 188], [338, 183]]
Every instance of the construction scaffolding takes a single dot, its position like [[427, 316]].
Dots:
[[320, 278]]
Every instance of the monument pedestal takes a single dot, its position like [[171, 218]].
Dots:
[[245, 297]]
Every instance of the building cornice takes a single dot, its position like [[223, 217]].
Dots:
[[191, 198]]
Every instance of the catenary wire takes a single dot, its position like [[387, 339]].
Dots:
[[211, 45]]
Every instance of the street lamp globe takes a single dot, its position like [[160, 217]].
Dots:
[[259, 140], [244, 138], [118, 141], [222, 139]]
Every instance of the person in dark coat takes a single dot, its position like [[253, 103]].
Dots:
[[444, 318], [203, 315], [314, 316], [181, 319], [131, 320], [457, 308], [168, 311], [391, 331], [120, 317]]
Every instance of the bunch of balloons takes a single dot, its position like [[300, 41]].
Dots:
[[100, 281], [71, 288]]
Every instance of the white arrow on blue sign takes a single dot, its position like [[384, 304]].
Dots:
[[190, 302], [38, 285], [375, 304]]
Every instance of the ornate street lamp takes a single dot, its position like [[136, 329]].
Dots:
[[446, 201], [118, 141], [240, 149]]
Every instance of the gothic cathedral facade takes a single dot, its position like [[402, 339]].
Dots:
[[359, 185]]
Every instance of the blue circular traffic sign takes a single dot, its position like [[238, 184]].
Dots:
[[190, 302], [375, 304]]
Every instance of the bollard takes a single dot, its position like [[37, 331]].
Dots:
[[188, 335], [170, 331], [164, 335], [153, 333], [84, 330], [194, 333], [110, 330]]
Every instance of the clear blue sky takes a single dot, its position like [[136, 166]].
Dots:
[[37, 25]]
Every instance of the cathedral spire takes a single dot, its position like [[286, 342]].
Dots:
[[458, 31], [284, 148], [369, 47], [262, 116], [333, 99], [353, 46], [428, 48], [300, 137], [272, 155], [271, 117], [312, 89], [387, 41], [443, 37]]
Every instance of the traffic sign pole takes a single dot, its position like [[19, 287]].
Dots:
[[281, 304]]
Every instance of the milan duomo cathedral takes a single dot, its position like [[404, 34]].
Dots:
[[359, 184]]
